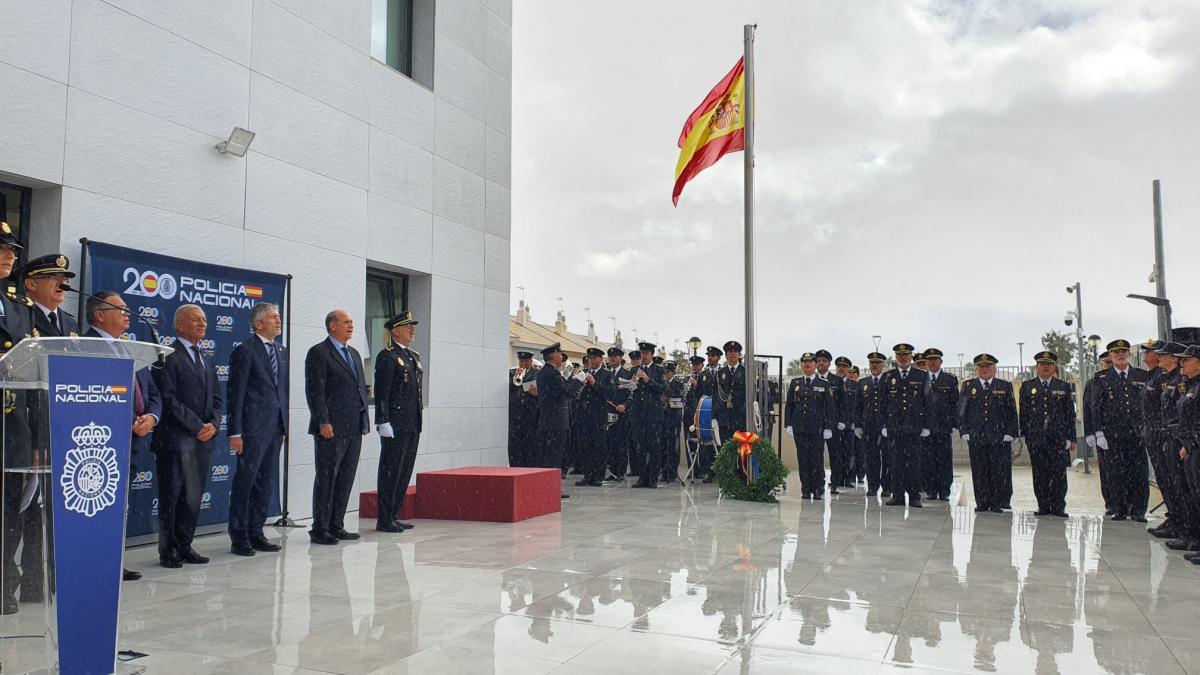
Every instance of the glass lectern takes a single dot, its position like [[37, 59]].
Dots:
[[68, 411]]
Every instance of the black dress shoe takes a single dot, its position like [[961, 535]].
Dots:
[[707, 479], [130, 575], [997, 509], [1181, 544], [1164, 533], [241, 548], [264, 545], [10, 605], [403, 526], [322, 538], [583, 483], [1138, 518], [1193, 558], [170, 562], [346, 536], [916, 504], [894, 502], [564, 496], [1040, 512], [834, 490], [981, 509], [193, 558], [1119, 516], [388, 527]]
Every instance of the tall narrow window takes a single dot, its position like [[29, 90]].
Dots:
[[392, 34], [387, 296]]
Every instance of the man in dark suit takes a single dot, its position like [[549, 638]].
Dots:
[[109, 319], [987, 421], [598, 385], [336, 391], [43, 279], [1047, 412], [834, 443], [905, 425], [257, 424], [942, 419], [555, 394], [617, 438], [15, 325], [183, 443], [810, 415], [1117, 418], [399, 376], [522, 410]]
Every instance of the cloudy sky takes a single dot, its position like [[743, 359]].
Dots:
[[929, 171]]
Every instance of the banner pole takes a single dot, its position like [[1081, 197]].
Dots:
[[81, 308], [748, 197], [284, 520]]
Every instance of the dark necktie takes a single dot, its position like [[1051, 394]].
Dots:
[[1124, 377], [274, 362], [874, 381], [199, 361], [987, 386], [350, 362], [139, 401], [54, 323]]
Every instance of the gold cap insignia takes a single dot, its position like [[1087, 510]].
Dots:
[[61, 261], [5, 228]]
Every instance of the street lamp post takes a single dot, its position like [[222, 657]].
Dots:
[[1020, 359], [694, 343], [1165, 309]]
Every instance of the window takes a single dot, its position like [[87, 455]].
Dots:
[[402, 37], [14, 209], [387, 296]]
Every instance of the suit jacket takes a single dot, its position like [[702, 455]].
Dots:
[[905, 403], [811, 407], [988, 416], [942, 414], [554, 398], [68, 326], [1047, 413], [258, 399], [398, 380], [151, 399], [191, 398], [1117, 403], [336, 395]]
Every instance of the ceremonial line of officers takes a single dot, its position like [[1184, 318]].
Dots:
[[610, 419]]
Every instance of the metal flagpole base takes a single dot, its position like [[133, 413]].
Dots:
[[284, 521]]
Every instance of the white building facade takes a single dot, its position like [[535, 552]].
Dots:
[[376, 186]]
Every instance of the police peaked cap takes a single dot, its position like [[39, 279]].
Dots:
[[697, 360], [635, 354], [823, 354], [616, 351], [55, 264], [733, 346], [985, 360], [524, 355], [1046, 357], [842, 361], [401, 319], [593, 351], [1104, 355], [670, 365], [646, 346], [714, 351], [807, 356], [556, 347], [1173, 349], [903, 348], [1118, 344], [1193, 352], [1152, 345], [933, 353], [876, 356], [7, 237]]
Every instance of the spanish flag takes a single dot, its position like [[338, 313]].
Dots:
[[714, 128], [254, 291]]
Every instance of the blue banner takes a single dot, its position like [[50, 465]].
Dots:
[[154, 286], [90, 429]]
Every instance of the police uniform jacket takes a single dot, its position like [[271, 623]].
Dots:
[[399, 377], [555, 394], [522, 404], [988, 413], [1152, 408], [837, 385], [1047, 412], [68, 326], [706, 385], [1117, 403], [692, 399], [675, 387], [16, 325], [872, 398], [904, 407], [942, 414], [730, 397], [593, 399], [811, 406], [1169, 400], [1188, 405], [647, 408], [1089, 395]]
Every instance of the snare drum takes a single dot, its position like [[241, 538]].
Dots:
[[706, 419]]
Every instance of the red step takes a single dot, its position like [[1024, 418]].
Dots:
[[368, 505], [489, 493]]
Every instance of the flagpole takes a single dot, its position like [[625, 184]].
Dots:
[[748, 197]]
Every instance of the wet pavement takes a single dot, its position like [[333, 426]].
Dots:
[[667, 581]]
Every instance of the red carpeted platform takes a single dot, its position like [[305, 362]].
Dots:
[[368, 505], [491, 493]]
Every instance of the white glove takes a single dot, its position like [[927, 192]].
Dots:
[[1007, 438], [841, 426], [858, 433], [827, 434], [789, 429], [385, 430], [1101, 440], [966, 437], [924, 433], [883, 431], [1066, 445], [1090, 440]]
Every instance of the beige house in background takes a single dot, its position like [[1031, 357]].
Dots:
[[525, 334]]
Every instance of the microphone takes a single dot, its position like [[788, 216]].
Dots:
[[162, 361]]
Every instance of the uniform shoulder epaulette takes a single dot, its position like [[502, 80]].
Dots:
[[388, 348], [414, 352]]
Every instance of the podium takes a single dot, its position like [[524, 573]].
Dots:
[[67, 424]]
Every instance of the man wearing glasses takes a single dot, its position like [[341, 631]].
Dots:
[[43, 278]]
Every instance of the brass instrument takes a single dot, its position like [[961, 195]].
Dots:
[[519, 377]]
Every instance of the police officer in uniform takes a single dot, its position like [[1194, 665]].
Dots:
[[618, 436], [1117, 417], [672, 419], [834, 444], [42, 278], [15, 325], [592, 419], [810, 415], [870, 419], [1047, 417], [647, 416], [1189, 425], [708, 387], [555, 394], [942, 419], [849, 400], [522, 411], [905, 426], [691, 403], [399, 376], [730, 402], [987, 421], [637, 456], [1181, 524], [858, 469], [1089, 432]]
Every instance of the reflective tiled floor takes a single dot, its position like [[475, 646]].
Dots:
[[667, 581]]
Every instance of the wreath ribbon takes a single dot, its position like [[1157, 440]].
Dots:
[[746, 441]]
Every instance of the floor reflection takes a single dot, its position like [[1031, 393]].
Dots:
[[625, 581]]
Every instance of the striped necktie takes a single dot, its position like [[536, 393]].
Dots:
[[274, 361]]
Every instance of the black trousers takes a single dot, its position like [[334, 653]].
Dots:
[[648, 449], [1191, 472], [552, 446], [670, 443], [593, 452], [834, 444], [516, 444], [987, 471], [810, 460], [1171, 483], [337, 464], [1049, 460], [938, 465], [908, 449], [397, 456], [31, 531], [250, 495], [1106, 477], [1130, 470], [182, 473], [1186, 511], [872, 445], [617, 440]]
